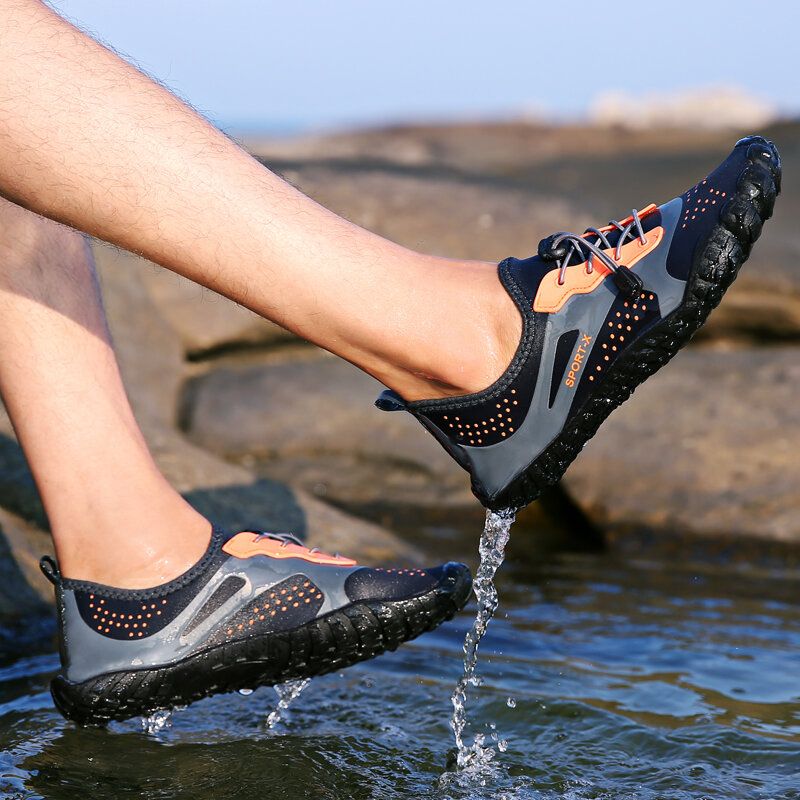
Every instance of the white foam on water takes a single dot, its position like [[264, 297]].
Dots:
[[476, 758], [157, 721], [287, 694]]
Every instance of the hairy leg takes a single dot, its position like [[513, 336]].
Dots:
[[113, 516], [89, 141]]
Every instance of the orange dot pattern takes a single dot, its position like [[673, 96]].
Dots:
[[125, 618], [409, 573], [700, 200], [286, 605], [486, 423], [624, 322]]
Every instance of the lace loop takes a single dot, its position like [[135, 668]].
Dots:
[[582, 246], [284, 538], [289, 538]]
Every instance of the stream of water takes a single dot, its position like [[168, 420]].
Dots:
[[495, 536]]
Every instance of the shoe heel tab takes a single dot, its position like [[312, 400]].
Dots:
[[390, 401], [49, 568]]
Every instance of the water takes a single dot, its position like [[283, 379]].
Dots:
[[158, 721], [634, 677], [287, 693], [492, 546]]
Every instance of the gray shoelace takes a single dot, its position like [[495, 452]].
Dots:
[[627, 281], [286, 539]]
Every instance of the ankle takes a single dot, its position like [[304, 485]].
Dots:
[[140, 555], [477, 342]]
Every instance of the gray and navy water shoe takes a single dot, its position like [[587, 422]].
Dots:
[[257, 609], [601, 311]]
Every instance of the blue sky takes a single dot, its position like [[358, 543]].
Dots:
[[264, 65]]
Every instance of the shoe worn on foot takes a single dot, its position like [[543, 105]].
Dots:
[[601, 313], [257, 609]]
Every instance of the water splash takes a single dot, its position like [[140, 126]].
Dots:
[[157, 721], [495, 536], [287, 694]]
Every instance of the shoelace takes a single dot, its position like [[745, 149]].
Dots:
[[288, 538], [627, 281]]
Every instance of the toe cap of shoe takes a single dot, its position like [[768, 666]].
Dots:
[[403, 583]]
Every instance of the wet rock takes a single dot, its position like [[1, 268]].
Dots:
[[313, 422], [24, 591], [23, 538], [708, 447], [17, 490]]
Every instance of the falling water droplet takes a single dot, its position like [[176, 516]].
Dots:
[[511, 702], [287, 694]]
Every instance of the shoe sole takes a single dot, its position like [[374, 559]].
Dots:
[[715, 267], [334, 641]]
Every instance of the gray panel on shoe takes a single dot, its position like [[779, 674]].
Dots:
[[497, 465], [91, 654]]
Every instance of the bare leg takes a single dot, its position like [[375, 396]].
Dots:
[[89, 141], [114, 517]]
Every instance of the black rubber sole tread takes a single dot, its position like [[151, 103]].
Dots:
[[715, 267], [337, 640]]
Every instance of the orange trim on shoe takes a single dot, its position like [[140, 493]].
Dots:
[[551, 295], [247, 545]]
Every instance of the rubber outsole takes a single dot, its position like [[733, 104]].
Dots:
[[336, 640], [715, 267]]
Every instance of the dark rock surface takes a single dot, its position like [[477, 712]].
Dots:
[[312, 421], [24, 591], [710, 446]]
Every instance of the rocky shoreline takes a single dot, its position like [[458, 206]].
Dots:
[[257, 428]]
